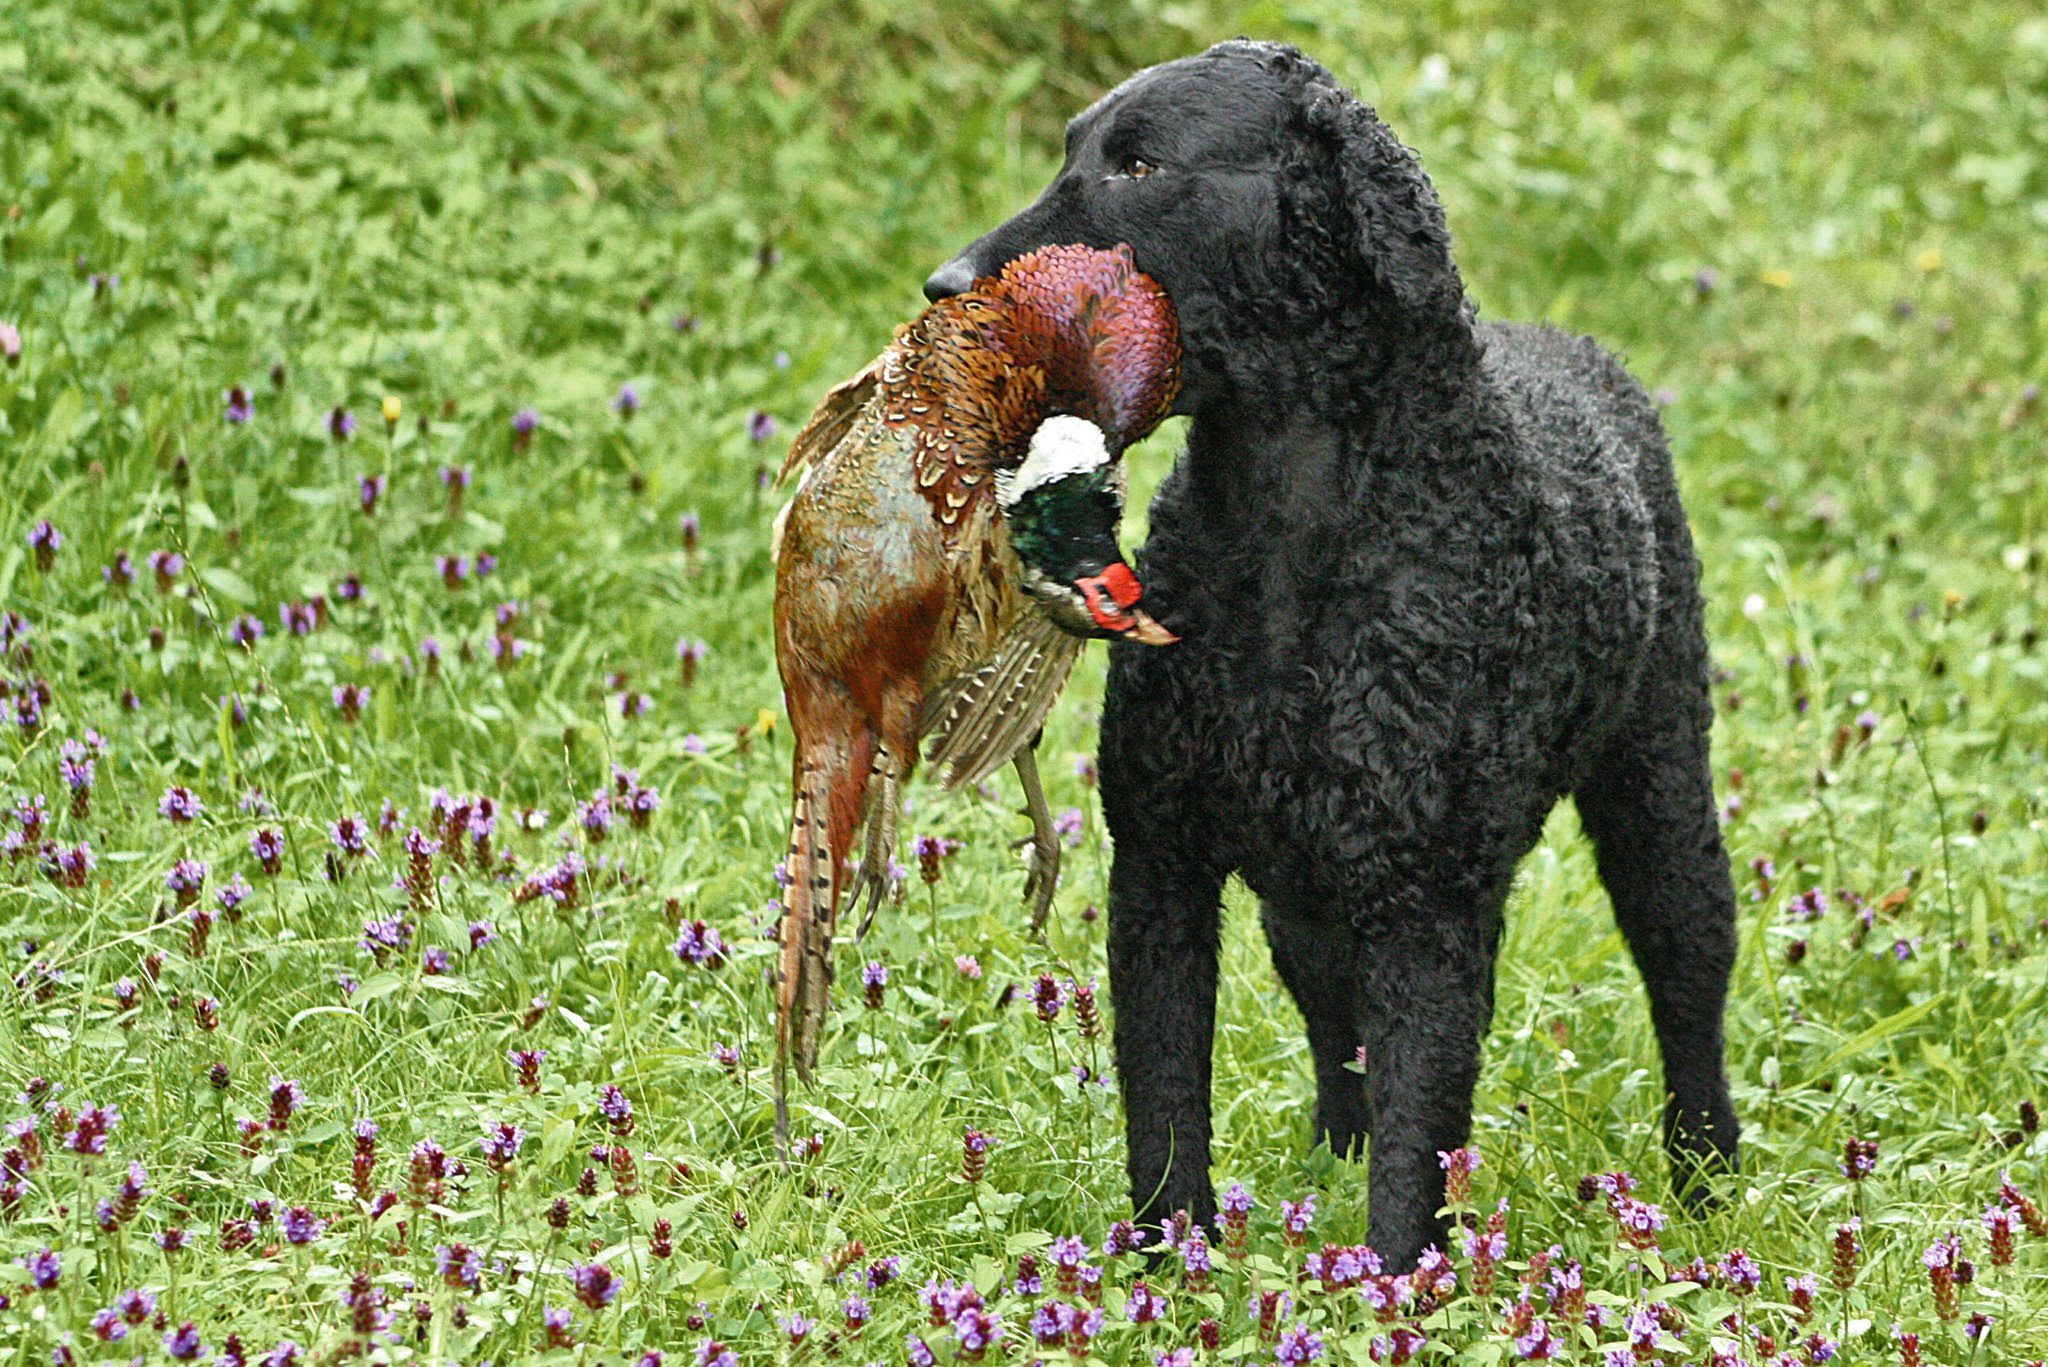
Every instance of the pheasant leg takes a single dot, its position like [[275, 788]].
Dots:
[[873, 882], [1042, 876]]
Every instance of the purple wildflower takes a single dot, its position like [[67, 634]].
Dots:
[[1298, 1346], [526, 1064], [45, 540], [386, 936], [617, 1110], [700, 945], [68, 867], [301, 1226], [459, 1266], [267, 845], [501, 1144], [183, 1342], [350, 699], [88, 1136], [246, 631], [185, 880], [286, 1096], [45, 1269], [1638, 1222], [351, 835], [179, 805], [1740, 1271], [595, 1284], [1047, 998], [166, 566], [1536, 1343]]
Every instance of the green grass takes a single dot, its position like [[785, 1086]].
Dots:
[[478, 208]]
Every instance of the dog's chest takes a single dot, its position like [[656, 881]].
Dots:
[[1374, 694]]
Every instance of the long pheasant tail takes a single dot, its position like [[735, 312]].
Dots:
[[805, 985]]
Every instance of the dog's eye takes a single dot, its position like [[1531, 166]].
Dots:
[[1136, 168]]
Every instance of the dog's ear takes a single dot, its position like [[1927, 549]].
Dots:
[[1398, 236]]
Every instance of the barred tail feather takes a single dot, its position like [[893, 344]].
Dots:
[[804, 990]]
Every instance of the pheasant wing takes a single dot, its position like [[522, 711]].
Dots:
[[832, 419], [976, 723]]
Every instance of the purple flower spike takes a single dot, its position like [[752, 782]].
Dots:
[[45, 1269], [596, 1285], [179, 805], [45, 540], [183, 1342], [301, 1226]]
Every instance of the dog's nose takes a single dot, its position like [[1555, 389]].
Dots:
[[950, 279]]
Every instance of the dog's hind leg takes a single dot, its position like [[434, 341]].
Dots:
[[1317, 958], [1649, 806]]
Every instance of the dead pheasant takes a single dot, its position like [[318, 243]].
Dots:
[[952, 542]]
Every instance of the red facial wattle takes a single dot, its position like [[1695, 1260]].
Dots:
[[1122, 590]]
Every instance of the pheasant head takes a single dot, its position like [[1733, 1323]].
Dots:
[[1107, 343], [1104, 334]]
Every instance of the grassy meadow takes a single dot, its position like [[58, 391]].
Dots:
[[391, 728]]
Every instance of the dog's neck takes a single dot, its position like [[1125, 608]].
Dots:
[[1292, 451]]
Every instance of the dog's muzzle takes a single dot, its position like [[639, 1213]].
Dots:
[[955, 277]]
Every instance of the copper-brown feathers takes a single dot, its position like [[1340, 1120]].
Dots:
[[898, 610]]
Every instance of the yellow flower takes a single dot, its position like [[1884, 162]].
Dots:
[[392, 408], [1929, 261], [764, 722], [1777, 279]]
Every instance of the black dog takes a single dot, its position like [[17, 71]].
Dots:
[[1429, 576]]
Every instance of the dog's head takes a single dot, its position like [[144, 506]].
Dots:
[[1264, 197]]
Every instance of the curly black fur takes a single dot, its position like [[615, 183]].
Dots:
[[1429, 576]]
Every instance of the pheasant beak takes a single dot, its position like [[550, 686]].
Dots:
[[1146, 630], [1112, 598]]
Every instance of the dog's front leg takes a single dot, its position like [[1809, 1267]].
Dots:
[[1429, 1000], [1164, 911]]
